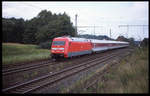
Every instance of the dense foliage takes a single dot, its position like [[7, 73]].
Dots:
[[40, 29], [130, 40], [13, 30], [145, 42]]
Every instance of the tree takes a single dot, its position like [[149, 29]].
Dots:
[[145, 42], [59, 26], [7, 27], [29, 34], [122, 38], [13, 29], [131, 41], [42, 28]]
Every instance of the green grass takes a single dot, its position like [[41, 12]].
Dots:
[[131, 75], [128, 76], [16, 53]]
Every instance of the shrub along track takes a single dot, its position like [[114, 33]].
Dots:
[[37, 83]]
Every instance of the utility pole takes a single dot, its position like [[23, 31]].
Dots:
[[76, 33], [110, 32], [94, 30], [143, 29], [127, 30]]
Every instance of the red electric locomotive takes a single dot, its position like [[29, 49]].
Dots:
[[71, 46]]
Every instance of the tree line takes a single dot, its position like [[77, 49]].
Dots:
[[40, 29]]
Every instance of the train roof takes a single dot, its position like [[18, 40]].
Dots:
[[74, 39], [90, 40], [79, 39], [106, 41]]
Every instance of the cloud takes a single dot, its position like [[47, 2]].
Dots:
[[18, 10], [138, 12], [107, 14]]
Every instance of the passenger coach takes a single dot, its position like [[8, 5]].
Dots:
[[101, 45]]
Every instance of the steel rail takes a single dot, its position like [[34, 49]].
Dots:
[[15, 70]]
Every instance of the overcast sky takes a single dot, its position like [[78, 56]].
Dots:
[[108, 15]]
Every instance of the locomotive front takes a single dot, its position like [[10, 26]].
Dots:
[[59, 47]]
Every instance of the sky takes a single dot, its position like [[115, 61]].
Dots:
[[105, 16]]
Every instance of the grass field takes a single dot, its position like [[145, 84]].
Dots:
[[16, 53], [131, 75], [128, 76]]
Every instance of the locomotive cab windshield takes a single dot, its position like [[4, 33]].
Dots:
[[62, 43]]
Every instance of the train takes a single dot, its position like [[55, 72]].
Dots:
[[67, 47]]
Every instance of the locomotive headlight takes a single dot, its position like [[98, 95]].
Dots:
[[57, 48], [54, 48], [61, 48]]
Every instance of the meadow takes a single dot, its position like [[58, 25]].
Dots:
[[130, 75], [17, 53]]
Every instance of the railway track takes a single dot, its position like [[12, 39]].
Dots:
[[42, 81], [100, 76], [25, 68], [37, 65], [34, 66], [26, 63]]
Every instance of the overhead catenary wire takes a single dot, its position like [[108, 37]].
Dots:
[[128, 26], [32, 5]]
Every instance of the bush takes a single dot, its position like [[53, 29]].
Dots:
[[45, 45], [145, 42]]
